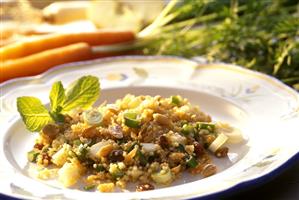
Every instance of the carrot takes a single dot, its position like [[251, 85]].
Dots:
[[40, 62], [51, 41]]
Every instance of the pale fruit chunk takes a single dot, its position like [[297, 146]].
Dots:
[[60, 157], [234, 134], [70, 173]]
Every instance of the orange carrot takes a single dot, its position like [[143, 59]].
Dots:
[[51, 41], [40, 62]]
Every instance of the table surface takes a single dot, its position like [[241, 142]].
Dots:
[[285, 186]]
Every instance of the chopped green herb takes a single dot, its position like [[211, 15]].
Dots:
[[89, 187], [181, 148], [183, 122], [82, 152], [32, 155], [141, 157], [77, 142], [152, 158], [99, 167], [121, 141], [117, 174], [132, 146], [191, 162]]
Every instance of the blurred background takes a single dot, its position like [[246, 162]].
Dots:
[[259, 35]]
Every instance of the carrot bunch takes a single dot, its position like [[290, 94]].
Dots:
[[36, 55]]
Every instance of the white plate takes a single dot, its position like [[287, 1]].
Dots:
[[266, 110]]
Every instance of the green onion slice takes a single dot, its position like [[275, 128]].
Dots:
[[208, 126], [32, 155], [175, 100], [187, 129], [89, 187], [131, 120]]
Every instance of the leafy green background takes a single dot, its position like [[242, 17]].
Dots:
[[261, 35]]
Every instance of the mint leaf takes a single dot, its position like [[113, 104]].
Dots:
[[82, 93], [57, 96], [33, 112]]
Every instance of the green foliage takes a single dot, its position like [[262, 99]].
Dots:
[[260, 35]]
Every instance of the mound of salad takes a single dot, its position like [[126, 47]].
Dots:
[[144, 140]]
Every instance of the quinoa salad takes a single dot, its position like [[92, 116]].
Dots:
[[145, 140]]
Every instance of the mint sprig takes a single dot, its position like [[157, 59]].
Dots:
[[81, 93]]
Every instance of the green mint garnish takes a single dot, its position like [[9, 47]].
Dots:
[[82, 93]]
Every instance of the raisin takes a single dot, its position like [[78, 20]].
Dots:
[[38, 146], [116, 156], [198, 149], [163, 142]]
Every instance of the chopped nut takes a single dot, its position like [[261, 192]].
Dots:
[[90, 132], [176, 157], [144, 187], [105, 150], [162, 120], [221, 152], [116, 132], [176, 169], [208, 170], [51, 130], [189, 149], [209, 139]]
